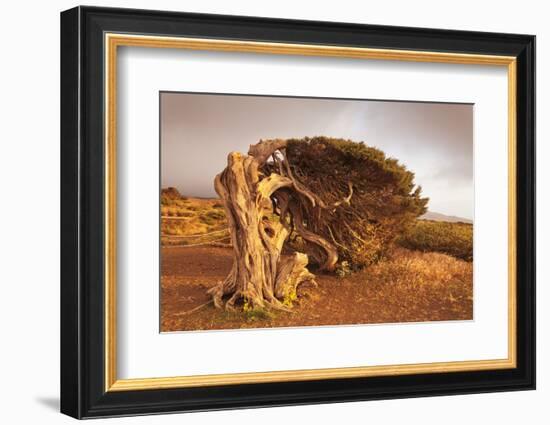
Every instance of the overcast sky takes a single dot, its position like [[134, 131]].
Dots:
[[435, 141]]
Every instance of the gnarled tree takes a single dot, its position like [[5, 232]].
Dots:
[[298, 201]]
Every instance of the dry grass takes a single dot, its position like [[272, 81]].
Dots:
[[416, 269], [190, 221]]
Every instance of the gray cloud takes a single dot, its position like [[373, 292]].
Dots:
[[433, 140]]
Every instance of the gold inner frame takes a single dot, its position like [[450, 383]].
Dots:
[[113, 41]]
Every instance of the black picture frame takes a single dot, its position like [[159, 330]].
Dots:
[[83, 392]]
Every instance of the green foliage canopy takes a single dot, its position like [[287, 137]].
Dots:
[[384, 203]]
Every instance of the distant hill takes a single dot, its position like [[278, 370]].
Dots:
[[442, 217]]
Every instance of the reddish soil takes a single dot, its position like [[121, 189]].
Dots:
[[188, 272]]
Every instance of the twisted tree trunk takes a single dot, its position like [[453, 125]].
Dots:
[[261, 212]]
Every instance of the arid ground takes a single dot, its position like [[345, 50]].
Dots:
[[410, 286]]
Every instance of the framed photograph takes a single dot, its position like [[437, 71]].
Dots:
[[261, 212]]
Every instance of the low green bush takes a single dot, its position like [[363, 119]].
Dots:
[[454, 239]]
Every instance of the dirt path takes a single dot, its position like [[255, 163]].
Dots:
[[187, 273]]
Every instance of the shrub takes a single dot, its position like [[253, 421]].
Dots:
[[454, 239], [215, 214], [181, 213]]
